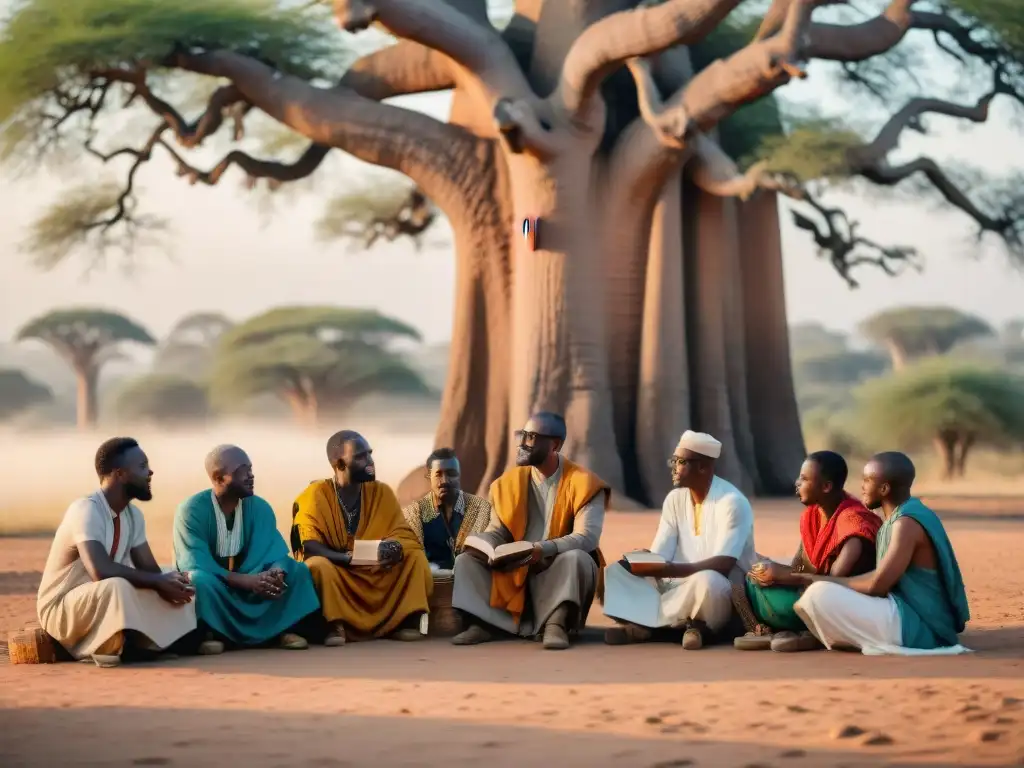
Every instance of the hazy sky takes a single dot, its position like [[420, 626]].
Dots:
[[227, 258]]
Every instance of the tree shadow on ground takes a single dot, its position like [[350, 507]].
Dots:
[[197, 737]]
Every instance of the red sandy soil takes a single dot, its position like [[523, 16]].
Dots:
[[508, 703]]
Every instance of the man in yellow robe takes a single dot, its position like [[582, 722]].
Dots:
[[360, 601], [559, 507]]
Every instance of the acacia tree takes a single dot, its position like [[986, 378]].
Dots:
[[190, 346], [18, 392], [608, 121], [162, 399], [911, 332], [86, 339], [316, 359], [952, 406]]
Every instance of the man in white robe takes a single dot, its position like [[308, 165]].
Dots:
[[102, 589], [706, 530]]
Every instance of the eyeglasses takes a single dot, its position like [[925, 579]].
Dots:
[[675, 461], [530, 437]]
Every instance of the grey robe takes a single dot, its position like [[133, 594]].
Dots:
[[570, 578]]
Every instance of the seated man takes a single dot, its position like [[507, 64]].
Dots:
[[706, 530], [102, 589], [914, 601], [837, 537], [249, 591], [559, 507], [444, 517], [387, 598]]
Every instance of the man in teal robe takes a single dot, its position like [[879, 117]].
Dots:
[[914, 601], [248, 590]]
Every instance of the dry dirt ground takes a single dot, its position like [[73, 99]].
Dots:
[[508, 703]]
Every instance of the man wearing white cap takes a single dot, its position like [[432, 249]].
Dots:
[[706, 530]]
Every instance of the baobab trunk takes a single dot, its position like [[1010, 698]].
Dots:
[[86, 378], [559, 359]]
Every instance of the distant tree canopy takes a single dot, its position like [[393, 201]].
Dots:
[[162, 399], [19, 393], [950, 405], [315, 358], [191, 345], [86, 339], [911, 332], [825, 368], [811, 339]]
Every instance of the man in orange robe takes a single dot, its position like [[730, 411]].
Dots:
[[360, 601], [559, 507]]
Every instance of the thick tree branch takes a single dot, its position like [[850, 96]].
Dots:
[[521, 130], [670, 123], [476, 47], [846, 249], [749, 74], [425, 150], [610, 42], [856, 42], [404, 68], [713, 171]]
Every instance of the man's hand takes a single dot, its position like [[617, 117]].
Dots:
[[391, 553], [771, 574], [269, 584], [175, 588], [644, 570]]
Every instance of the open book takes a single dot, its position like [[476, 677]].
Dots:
[[643, 557], [503, 553]]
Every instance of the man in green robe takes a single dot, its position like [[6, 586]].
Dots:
[[248, 590], [914, 601]]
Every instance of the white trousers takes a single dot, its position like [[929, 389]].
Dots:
[[705, 596], [842, 618]]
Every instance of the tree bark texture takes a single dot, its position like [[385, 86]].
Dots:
[[647, 305], [634, 315]]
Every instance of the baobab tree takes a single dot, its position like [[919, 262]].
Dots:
[[316, 359], [85, 339], [911, 332], [648, 295]]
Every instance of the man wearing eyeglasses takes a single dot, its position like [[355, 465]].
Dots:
[[558, 507], [682, 582]]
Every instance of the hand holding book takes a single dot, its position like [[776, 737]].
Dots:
[[505, 556]]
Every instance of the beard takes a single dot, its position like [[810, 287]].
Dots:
[[139, 491], [449, 493], [531, 457], [242, 490], [362, 475]]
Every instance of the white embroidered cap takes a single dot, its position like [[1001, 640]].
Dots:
[[700, 442]]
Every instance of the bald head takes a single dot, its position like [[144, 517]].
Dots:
[[888, 478], [548, 424], [351, 457], [230, 471]]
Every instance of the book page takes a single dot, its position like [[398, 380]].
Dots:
[[514, 548], [364, 552], [480, 544]]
